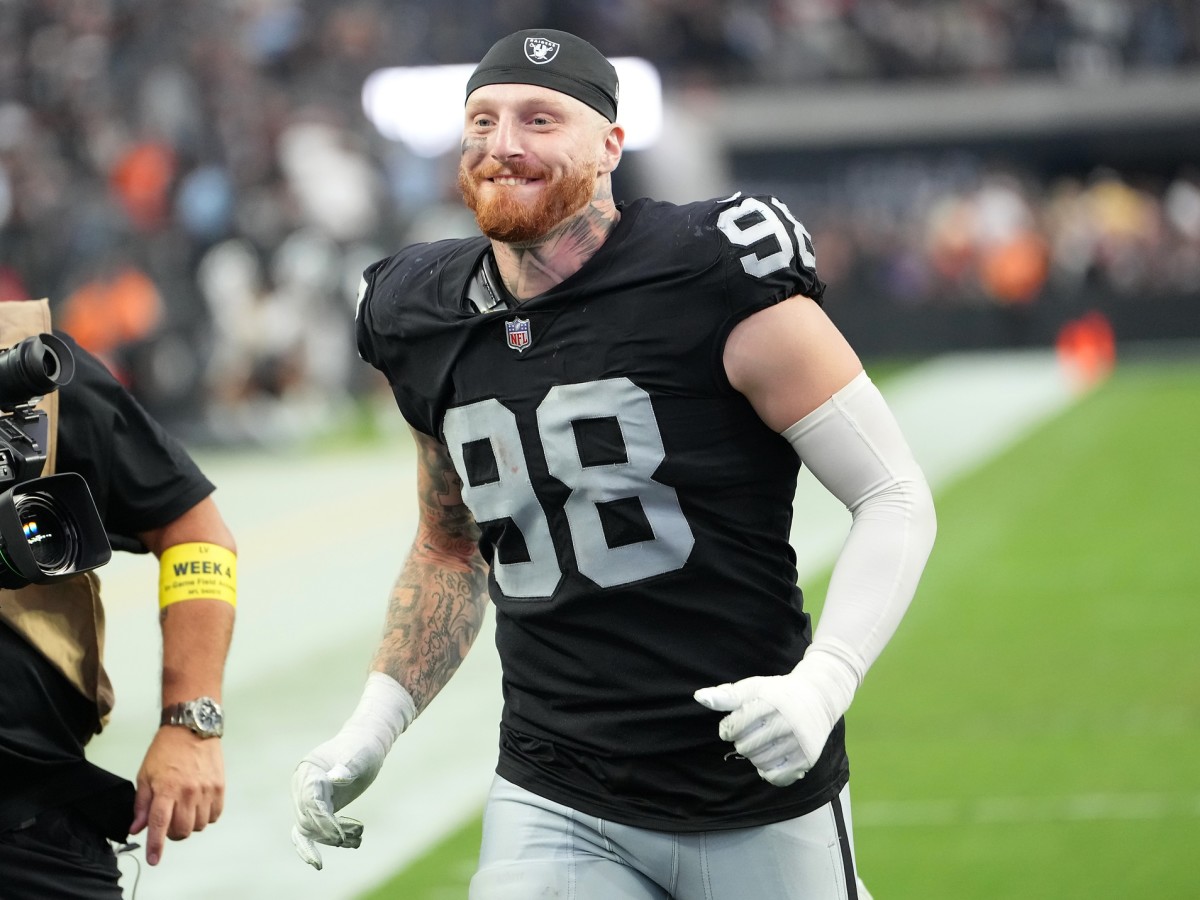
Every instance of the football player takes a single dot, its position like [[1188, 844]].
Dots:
[[611, 403]]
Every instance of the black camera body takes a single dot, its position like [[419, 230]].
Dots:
[[50, 528]]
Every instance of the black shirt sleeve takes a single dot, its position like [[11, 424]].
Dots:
[[140, 477]]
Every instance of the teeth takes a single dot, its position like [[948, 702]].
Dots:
[[510, 181]]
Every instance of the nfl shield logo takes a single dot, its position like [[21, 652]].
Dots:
[[517, 333], [539, 50]]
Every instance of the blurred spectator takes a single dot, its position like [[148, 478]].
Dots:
[[111, 312], [141, 179]]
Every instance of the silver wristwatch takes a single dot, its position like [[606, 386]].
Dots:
[[202, 715]]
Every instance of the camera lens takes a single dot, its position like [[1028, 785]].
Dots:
[[34, 367], [50, 531]]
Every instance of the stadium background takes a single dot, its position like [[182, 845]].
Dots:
[[196, 188]]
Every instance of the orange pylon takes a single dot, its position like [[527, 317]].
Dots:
[[1087, 349]]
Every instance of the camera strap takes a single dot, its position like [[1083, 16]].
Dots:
[[64, 620]]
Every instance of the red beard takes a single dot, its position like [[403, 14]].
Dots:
[[503, 218]]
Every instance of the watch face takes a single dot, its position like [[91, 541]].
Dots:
[[208, 717]]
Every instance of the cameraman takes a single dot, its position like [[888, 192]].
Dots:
[[59, 812]]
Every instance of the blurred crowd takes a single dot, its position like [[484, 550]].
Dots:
[[954, 230], [788, 41], [195, 187]]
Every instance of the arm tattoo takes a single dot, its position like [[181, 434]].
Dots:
[[439, 600]]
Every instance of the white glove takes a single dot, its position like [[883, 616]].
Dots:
[[780, 723], [337, 771]]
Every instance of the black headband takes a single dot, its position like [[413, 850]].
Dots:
[[551, 59]]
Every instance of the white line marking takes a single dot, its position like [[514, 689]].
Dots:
[[1097, 807]]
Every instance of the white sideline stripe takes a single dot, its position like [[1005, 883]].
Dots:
[[1026, 810], [320, 541], [956, 411]]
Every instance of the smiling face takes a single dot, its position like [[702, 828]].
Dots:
[[531, 159]]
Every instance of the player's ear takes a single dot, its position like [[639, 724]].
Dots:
[[610, 153]]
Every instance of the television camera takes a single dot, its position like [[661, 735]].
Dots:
[[50, 528]]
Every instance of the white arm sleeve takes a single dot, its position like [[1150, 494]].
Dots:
[[854, 447]]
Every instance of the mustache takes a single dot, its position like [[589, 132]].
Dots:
[[496, 170]]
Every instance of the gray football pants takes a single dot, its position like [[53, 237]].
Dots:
[[535, 848]]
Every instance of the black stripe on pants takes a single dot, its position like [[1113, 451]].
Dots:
[[843, 834]]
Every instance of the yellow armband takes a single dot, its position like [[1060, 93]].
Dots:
[[197, 571]]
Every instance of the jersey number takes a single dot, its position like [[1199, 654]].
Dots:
[[752, 221], [510, 493]]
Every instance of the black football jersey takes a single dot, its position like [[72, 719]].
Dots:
[[634, 509]]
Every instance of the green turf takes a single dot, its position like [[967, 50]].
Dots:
[[1033, 731], [442, 874], [1051, 655]]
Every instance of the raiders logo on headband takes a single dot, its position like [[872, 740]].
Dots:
[[539, 50], [522, 57]]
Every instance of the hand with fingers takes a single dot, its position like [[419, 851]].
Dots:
[[321, 787], [339, 770], [780, 723], [180, 788]]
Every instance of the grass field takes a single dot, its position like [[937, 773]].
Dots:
[[1033, 731]]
